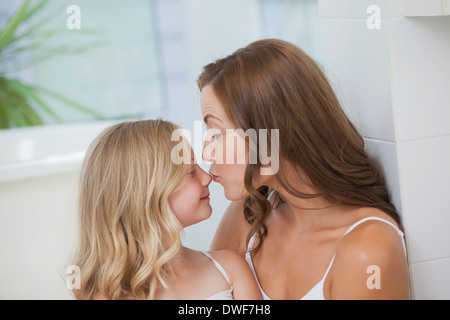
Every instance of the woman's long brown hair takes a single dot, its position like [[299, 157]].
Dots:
[[272, 84]]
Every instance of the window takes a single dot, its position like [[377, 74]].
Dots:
[[140, 58]]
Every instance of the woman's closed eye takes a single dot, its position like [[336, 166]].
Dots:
[[213, 134], [216, 136]]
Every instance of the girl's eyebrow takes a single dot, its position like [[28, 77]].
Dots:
[[192, 163]]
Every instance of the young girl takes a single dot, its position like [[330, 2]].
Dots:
[[133, 203]]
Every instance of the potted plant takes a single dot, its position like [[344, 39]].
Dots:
[[22, 104]]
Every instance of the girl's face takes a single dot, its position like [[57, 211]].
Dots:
[[226, 151], [190, 201]]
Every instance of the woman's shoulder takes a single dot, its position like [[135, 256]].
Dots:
[[372, 232], [371, 246]]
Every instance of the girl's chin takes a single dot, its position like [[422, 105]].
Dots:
[[202, 214]]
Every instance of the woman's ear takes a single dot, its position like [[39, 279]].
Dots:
[[264, 176]]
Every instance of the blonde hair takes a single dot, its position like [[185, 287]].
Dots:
[[127, 229]]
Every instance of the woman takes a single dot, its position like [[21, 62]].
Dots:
[[322, 226]]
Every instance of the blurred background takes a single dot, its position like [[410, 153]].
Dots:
[[68, 69]]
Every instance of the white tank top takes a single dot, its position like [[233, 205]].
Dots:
[[226, 294], [316, 293]]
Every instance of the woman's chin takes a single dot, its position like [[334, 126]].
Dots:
[[234, 195]]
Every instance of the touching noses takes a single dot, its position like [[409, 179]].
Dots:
[[205, 178], [207, 155]]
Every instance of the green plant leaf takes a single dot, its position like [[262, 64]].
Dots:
[[72, 103], [4, 119], [20, 102], [8, 31], [32, 11], [29, 91], [15, 105], [34, 26], [26, 114]]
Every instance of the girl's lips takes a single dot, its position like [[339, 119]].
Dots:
[[205, 198], [214, 177]]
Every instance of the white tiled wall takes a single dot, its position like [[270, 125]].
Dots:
[[423, 8], [420, 51], [394, 84], [425, 165], [385, 153], [354, 72], [429, 279]]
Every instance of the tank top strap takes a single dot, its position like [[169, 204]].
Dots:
[[400, 233], [353, 226], [272, 192], [251, 242], [218, 266], [328, 269]]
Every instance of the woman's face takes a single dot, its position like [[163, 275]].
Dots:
[[190, 201], [225, 149]]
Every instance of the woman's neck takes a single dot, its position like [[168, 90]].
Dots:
[[304, 213]]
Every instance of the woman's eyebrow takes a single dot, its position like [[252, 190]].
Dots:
[[205, 119]]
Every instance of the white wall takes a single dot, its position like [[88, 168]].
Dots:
[[38, 207], [37, 239], [394, 83]]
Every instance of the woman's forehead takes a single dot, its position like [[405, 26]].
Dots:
[[212, 108]]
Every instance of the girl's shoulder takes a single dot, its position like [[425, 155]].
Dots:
[[229, 259], [232, 262], [227, 256], [240, 275]]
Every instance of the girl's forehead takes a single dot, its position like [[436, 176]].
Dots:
[[188, 153]]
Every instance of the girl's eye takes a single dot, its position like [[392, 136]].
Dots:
[[192, 172]]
